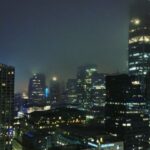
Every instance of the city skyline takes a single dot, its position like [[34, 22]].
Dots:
[[77, 76], [56, 37]]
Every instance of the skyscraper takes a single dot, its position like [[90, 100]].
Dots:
[[90, 86], [37, 87], [125, 115], [7, 74], [55, 90], [139, 39], [98, 92], [84, 85], [72, 90]]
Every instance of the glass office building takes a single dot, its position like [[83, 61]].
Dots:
[[139, 39]]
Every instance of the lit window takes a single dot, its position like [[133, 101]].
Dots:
[[145, 56], [3, 84], [136, 54], [144, 38], [133, 68], [131, 63], [135, 82]]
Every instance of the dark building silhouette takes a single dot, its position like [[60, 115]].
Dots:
[[37, 87], [7, 75], [125, 112], [147, 91], [18, 103], [71, 90], [55, 90], [139, 39]]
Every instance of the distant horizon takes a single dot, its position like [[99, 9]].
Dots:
[[63, 80]]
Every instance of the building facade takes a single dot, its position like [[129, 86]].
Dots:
[[90, 86], [139, 39], [71, 89], [7, 75], [125, 112], [55, 91], [37, 87]]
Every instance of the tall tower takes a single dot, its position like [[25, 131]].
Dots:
[[125, 115], [55, 91], [72, 90], [90, 86], [7, 74], [37, 87], [84, 84], [139, 39]]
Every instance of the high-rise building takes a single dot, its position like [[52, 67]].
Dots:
[[84, 85], [98, 92], [37, 87], [7, 75], [139, 39], [125, 111], [72, 90], [147, 89], [90, 86], [55, 90]]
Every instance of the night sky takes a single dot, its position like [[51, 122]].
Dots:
[[56, 36]]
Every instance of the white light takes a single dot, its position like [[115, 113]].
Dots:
[[92, 144], [143, 38], [54, 78], [128, 124], [145, 56], [47, 108], [131, 63], [136, 21], [135, 82], [136, 54], [3, 84], [89, 117], [107, 145], [133, 68], [146, 39]]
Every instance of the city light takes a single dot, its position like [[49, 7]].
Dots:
[[54, 78], [136, 21], [79, 98]]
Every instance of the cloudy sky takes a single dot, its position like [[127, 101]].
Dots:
[[56, 36]]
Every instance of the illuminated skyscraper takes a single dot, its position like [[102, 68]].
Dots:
[[84, 85], [90, 86], [7, 74], [139, 39], [37, 87]]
